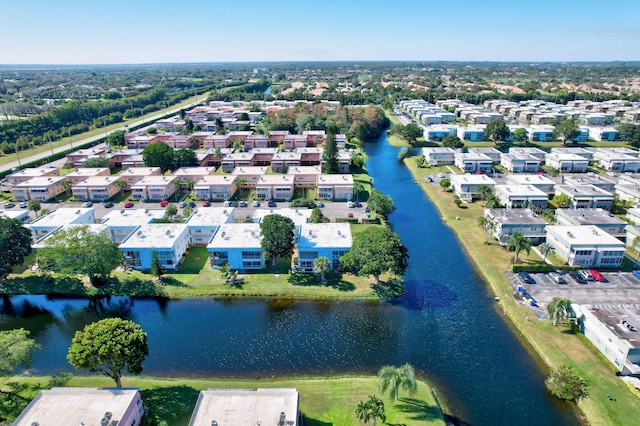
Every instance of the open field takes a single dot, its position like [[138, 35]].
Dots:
[[555, 346], [323, 401]]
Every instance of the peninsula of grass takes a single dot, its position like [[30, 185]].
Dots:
[[323, 400], [555, 346]]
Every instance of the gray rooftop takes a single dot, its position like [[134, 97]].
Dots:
[[515, 216]]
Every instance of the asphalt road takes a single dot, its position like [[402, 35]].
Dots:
[[42, 155]]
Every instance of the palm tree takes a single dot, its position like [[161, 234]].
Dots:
[[121, 185], [488, 226], [362, 412], [66, 184], [517, 242], [190, 184], [171, 210], [546, 249], [636, 242], [34, 206], [393, 378], [492, 202], [485, 191], [559, 309], [357, 187], [322, 265], [376, 409]]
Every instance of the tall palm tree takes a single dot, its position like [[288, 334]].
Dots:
[[485, 191], [376, 409], [393, 378], [488, 226], [492, 202], [546, 249], [66, 184], [322, 265], [362, 412], [559, 309], [121, 185], [636, 243], [34, 206], [517, 242]]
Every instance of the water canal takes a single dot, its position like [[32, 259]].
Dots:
[[446, 326]]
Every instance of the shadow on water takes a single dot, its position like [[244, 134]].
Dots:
[[426, 294]]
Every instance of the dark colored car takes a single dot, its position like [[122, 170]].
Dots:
[[578, 278], [191, 204], [320, 205], [357, 204], [9, 206], [272, 204], [526, 278], [107, 204]]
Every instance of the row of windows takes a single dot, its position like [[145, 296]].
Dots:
[[611, 260], [584, 253]]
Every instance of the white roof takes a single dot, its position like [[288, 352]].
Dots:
[[98, 181], [472, 156], [304, 170], [585, 235], [249, 170], [194, 171], [211, 216], [76, 406], [242, 407], [309, 150], [520, 191], [472, 179], [298, 216], [437, 149], [237, 235], [285, 179], [522, 179], [206, 181], [155, 235], [64, 216], [39, 181], [566, 156], [14, 214], [154, 180], [335, 180], [237, 156], [87, 171], [264, 150], [140, 171], [34, 172], [281, 156], [325, 235], [132, 217]]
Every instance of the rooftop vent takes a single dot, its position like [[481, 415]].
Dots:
[[168, 232]]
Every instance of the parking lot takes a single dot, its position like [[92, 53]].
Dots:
[[621, 287]]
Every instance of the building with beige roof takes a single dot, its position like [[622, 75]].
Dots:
[[83, 173], [42, 188], [154, 188], [134, 174], [335, 187], [24, 175], [96, 188], [216, 187], [275, 187]]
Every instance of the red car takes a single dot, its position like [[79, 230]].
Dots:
[[597, 275], [206, 203], [128, 205], [164, 203]]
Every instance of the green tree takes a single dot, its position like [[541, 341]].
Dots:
[[371, 409], [158, 154], [191, 183], [518, 242], [66, 184], [156, 266], [357, 189], [488, 226], [393, 378], [15, 241], [78, 250], [546, 249], [453, 142], [375, 251], [381, 204], [565, 384], [121, 185], [636, 242], [445, 184], [330, 152], [170, 211], [303, 203], [520, 134], [183, 157], [559, 309], [411, 132], [492, 202], [230, 276], [485, 191], [497, 131], [363, 412], [15, 350], [34, 206], [110, 346], [566, 131], [277, 236], [187, 211], [630, 133], [322, 265], [420, 161], [96, 162], [116, 138], [562, 200], [318, 217]]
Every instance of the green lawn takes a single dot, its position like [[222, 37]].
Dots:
[[323, 400], [555, 345]]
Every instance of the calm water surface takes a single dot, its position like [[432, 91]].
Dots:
[[446, 326]]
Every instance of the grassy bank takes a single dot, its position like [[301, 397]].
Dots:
[[555, 346], [323, 401]]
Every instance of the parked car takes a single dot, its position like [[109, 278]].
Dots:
[[597, 275], [87, 204], [206, 203], [557, 278], [272, 204], [578, 278], [367, 210], [164, 203], [128, 205], [357, 204], [320, 205], [243, 204], [350, 204], [191, 204], [526, 278], [23, 205], [636, 273], [256, 204], [586, 275], [182, 204], [350, 214], [9, 206], [107, 204]]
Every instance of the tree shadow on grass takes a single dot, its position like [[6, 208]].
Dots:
[[43, 284], [390, 289], [12, 403], [314, 422], [132, 286], [169, 406], [418, 410], [312, 280]]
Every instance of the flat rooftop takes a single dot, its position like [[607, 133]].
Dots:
[[521, 191], [209, 180], [325, 235], [590, 216], [88, 172], [194, 171], [612, 317], [585, 235], [154, 235], [244, 407], [154, 180], [40, 181], [473, 156], [61, 216], [472, 179], [34, 172], [583, 191], [131, 217], [211, 216], [587, 179], [285, 179], [437, 150], [309, 150], [140, 171], [516, 216], [304, 170], [237, 235], [298, 216], [238, 156], [521, 179], [76, 406], [97, 181], [249, 170], [283, 156], [335, 180]]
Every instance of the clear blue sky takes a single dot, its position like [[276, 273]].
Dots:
[[145, 31]]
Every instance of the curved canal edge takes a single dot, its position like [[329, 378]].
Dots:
[[549, 345]]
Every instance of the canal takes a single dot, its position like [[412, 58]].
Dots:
[[446, 326]]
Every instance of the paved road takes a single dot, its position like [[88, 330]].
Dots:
[[35, 157]]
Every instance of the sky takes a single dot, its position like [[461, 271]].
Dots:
[[160, 31]]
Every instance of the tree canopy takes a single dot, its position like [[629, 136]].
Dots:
[[520, 134], [318, 217], [393, 378], [566, 131], [559, 309], [380, 203], [15, 350], [375, 251], [116, 138], [278, 236], [410, 132], [78, 250], [497, 131], [158, 154], [518, 242], [110, 346], [15, 241], [630, 133], [96, 162], [564, 383], [303, 202], [330, 152], [453, 142]]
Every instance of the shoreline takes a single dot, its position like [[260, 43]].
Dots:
[[549, 345]]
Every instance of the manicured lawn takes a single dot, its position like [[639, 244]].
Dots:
[[556, 346], [323, 400]]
